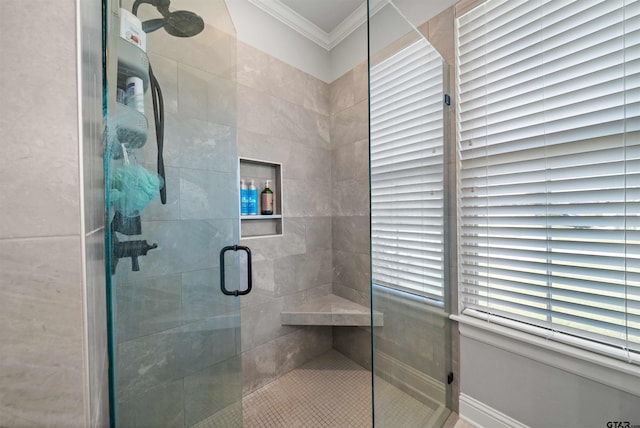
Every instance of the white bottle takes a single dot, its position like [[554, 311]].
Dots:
[[253, 198], [244, 198], [134, 96]]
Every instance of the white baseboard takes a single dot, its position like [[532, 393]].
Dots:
[[480, 415]]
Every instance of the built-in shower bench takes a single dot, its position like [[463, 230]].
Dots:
[[331, 310]]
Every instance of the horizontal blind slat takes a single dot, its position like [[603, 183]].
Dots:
[[549, 196], [406, 154]]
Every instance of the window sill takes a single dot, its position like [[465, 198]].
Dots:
[[590, 365]]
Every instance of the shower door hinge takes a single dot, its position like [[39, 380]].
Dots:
[[450, 378], [447, 99]]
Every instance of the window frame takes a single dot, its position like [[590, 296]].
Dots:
[[470, 314]]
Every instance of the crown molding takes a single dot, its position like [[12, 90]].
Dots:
[[353, 21], [294, 20], [311, 31]]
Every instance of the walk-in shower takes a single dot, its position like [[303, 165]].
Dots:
[[348, 272]]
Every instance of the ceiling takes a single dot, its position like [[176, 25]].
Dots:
[[325, 22], [326, 14]]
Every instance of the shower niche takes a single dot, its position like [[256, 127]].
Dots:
[[255, 226]]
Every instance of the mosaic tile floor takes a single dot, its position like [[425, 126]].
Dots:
[[330, 391]]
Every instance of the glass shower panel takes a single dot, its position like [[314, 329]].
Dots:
[[174, 336], [409, 239]]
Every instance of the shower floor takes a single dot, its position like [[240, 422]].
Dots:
[[329, 391]]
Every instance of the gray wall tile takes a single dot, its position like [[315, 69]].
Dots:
[[42, 334], [355, 343], [182, 246], [207, 195], [194, 143], [39, 178], [300, 272], [323, 130], [295, 349], [205, 96], [342, 92], [212, 389], [318, 233], [351, 233], [174, 354], [361, 297], [253, 67], [161, 406], [350, 161], [292, 122], [351, 197], [316, 95], [148, 305], [351, 270], [254, 110], [286, 82], [202, 298], [296, 267], [165, 70], [261, 323], [258, 367], [350, 125], [212, 50], [306, 198], [273, 248], [361, 82]]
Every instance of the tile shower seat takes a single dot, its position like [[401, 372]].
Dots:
[[331, 310]]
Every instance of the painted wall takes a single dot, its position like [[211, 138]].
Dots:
[[540, 395], [51, 218], [258, 29]]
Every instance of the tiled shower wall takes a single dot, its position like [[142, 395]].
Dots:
[[46, 377], [350, 207], [175, 337], [283, 117]]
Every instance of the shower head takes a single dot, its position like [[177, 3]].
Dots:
[[180, 23]]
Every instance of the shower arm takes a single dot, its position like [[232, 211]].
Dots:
[[161, 5]]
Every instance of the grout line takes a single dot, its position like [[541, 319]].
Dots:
[[37, 238]]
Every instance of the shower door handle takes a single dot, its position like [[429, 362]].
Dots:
[[222, 276]]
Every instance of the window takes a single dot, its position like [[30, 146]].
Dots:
[[549, 182], [406, 171]]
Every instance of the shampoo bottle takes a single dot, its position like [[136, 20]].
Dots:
[[266, 201], [253, 198], [244, 198]]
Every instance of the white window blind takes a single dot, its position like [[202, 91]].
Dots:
[[406, 98], [549, 184]]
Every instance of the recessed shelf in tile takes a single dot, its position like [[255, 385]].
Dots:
[[253, 226]]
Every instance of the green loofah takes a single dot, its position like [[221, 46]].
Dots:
[[132, 188]]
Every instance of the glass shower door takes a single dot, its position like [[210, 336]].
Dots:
[[410, 240], [174, 335]]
